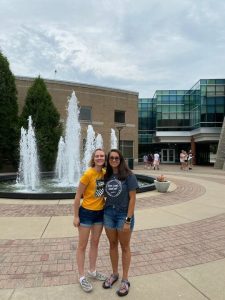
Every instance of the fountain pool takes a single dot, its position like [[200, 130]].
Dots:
[[50, 190]]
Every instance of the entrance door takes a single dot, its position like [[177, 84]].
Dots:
[[168, 156]]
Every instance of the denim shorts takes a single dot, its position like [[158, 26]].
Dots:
[[114, 219], [90, 217]]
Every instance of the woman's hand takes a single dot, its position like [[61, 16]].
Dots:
[[126, 227], [76, 221]]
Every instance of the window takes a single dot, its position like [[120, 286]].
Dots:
[[119, 116], [85, 113], [127, 149]]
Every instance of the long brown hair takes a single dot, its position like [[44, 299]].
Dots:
[[123, 170], [92, 162]]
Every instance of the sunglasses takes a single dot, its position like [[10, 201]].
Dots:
[[116, 158]]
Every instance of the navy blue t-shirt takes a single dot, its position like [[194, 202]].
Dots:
[[117, 192]]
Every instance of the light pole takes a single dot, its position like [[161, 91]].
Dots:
[[119, 128]]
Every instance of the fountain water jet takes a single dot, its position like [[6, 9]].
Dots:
[[90, 146], [68, 159], [59, 170], [99, 141], [114, 142], [28, 173]]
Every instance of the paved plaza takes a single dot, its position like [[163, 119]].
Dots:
[[178, 245]]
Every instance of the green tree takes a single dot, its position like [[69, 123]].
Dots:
[[46, 120], [8, 114]]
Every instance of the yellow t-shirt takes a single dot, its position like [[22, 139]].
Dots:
[[93, 197]]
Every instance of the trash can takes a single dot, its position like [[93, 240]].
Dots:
[[131, 163]]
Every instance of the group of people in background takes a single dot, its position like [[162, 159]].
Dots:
[[186, 160], [108, 189], [151, 161]]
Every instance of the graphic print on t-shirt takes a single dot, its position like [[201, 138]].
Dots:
[[113, 187], [99, 188]]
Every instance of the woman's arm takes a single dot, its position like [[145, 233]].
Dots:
[[76, 205], [131, 207]]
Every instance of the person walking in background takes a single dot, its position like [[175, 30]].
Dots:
[[156, 161], [182, 160], [150, 160], [185, 160], [120, 192], [190, 160], [88, 217], [145, 160]]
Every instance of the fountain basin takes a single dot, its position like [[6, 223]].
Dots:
[[146, 183]]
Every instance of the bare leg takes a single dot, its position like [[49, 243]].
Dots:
[[113, 251], [81, 248], [124, 239], [96, 231]]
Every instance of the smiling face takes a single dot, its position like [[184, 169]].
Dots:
[[114, 159], [99, 158]]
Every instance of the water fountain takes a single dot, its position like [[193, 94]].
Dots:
[[89, 147], [68, 158], [99, 142], [28, 174], [114, 142], [68, 167]]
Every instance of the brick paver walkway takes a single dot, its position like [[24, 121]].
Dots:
[[185, 191], [49, 262]]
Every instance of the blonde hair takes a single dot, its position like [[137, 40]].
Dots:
[[92, 162]]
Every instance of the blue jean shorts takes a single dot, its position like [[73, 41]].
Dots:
[[114, 219], [89, 217]]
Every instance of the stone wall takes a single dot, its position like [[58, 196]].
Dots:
[[103, 101]]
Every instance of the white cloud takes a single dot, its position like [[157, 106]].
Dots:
[[141, 46]]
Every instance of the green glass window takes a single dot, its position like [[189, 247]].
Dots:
[[173, 99], [172, 92], [211, 81], [165, 116], [203, 109], [165, 108], [211, 89], [159, 108], [159, 98], [220, 89], [180, 108], [220, 100], [211, 109], [173, 108], [210, 101], [220, 109], [165, 99], [172, 116], [220, 81], [203, 81], [180, 116], [180, 99], [203, 100]]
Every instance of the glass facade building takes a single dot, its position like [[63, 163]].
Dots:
[[146, 120], [183, 119]]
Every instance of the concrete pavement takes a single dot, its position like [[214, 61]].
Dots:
[[178, 246]]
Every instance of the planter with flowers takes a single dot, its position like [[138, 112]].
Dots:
[[161, 184]]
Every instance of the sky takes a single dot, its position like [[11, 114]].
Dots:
[[135, 45]]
